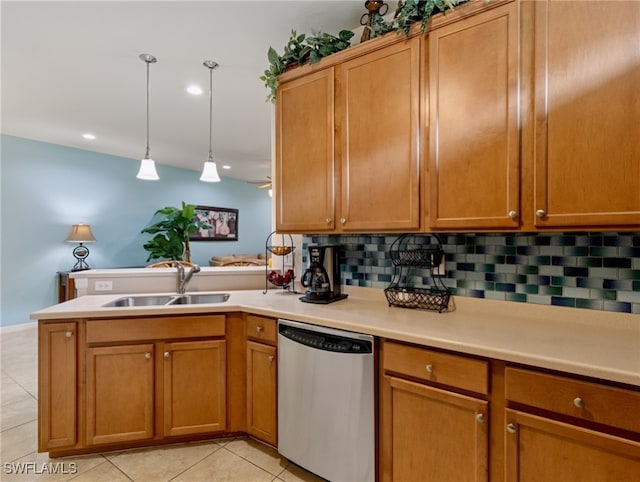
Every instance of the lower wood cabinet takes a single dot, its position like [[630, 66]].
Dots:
[[430, 433], [120, 393], [561, 428], [262, 379], [57, 385], [195, 383], [541, 449]]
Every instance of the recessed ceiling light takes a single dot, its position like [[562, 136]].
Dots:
[[194, 89], [226, 166], [89, 136]]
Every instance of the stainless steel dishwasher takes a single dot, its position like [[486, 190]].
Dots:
[[326, 420]]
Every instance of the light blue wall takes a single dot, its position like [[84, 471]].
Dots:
[[46, 188]]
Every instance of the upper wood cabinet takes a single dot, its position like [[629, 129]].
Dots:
[[586, 113], [347, 139], [472, 94], [377, 131], [305, 169]]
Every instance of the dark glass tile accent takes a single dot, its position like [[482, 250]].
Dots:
[[618, 284], [566, 240], [517, 260], [615, 240], [629, 252], [616, 262], [485, 268], [589, 240], [542, 240], [589, 262], [576, 251], [385, 278], [636, 286], [589, 282], [589, 304], [493, 277], [526, 250], [510, 287], [617, 306], [465, 266], [481, 249], [563, 301], [539, 280], [520, 297], [550, 290], [529, 289], [465, 283], [562, 281], [357, 276], [527, 269], [475, 293], [603, 294], [629, 274], [541, 260], [563, 261], [602, 251], [489, 286], [580, 272], [635, 240]]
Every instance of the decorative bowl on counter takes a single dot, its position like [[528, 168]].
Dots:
[[281, 250], [280, 280]]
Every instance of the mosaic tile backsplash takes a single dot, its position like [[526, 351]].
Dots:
[[599, 271]]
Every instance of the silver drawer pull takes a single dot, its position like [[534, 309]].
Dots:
[[429, 368], [511, 428], [147, 356], [271, 358], [166, 354], [578, 402], [69, 334], [480, 417], [259, 329]]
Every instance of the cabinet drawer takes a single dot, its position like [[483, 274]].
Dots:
[[161, 327], [261, 328], [589, 401], [454, 370]]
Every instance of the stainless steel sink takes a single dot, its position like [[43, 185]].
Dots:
[[139, 301], [200, 299]]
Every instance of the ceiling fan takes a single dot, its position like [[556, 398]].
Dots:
[[266, 184]]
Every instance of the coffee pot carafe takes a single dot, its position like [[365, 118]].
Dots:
[[322, 278]]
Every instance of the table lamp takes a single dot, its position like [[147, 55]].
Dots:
[[80, 233]]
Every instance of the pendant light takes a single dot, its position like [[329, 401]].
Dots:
[[147, 165], [210, 172]]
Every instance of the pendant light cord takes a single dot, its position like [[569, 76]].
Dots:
[[210, 111], [148, 151]]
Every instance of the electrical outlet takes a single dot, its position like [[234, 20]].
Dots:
[[103, 285]]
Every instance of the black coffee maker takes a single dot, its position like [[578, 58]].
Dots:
[[322, 277]]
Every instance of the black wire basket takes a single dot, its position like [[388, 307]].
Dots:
[[433, 299], [407, 250]]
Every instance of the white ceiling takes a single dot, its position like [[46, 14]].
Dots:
[[72, 67]]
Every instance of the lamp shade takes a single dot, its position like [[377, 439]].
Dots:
[[147, 170], [210, 172], [80, 233]]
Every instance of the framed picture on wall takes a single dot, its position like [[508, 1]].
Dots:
[[222, 224]]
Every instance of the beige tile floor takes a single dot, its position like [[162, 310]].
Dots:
[[227, 460]]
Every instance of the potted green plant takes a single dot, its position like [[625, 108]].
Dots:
[[172, 232], [299, 50]]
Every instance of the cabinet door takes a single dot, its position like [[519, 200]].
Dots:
[[57, 385], [262, 392], [539, 449], [304, 183], [194, 387], [377, 117], [587, 113], [120, 393], [474, 158], [432, 435]]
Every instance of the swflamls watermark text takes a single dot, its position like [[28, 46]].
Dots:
[[40, 468]]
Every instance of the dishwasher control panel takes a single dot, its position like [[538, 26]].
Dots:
[[324, 341]]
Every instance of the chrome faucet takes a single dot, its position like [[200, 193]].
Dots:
[[183, 279]]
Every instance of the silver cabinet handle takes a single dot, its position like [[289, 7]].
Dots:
[[259, 329], [271, 358], [68, 334], [429, 368], [513, 214], [343, 221], [166, 354], [147, 356], [541, 213], [329, 220], [578, 402], [480, 417], [511, 428]]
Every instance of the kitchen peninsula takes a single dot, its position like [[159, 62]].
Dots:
[[508, 366]]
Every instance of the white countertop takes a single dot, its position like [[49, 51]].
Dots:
[[585, 342]]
